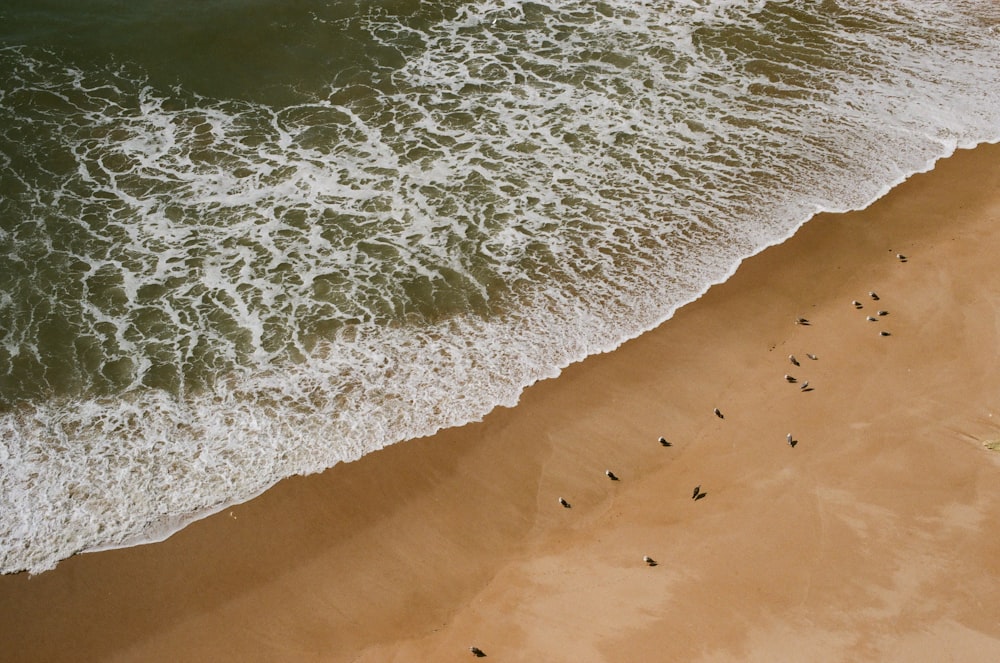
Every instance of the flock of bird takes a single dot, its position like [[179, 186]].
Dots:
[[697, 493]]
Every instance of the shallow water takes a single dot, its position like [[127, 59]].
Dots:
[[244, 240]]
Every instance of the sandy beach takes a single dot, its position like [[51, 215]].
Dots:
[[875, 538]]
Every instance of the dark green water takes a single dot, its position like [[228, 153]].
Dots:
[[251, 50]]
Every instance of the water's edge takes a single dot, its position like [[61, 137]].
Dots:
[[165, 528]]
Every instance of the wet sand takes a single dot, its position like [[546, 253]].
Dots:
[[877, 537]]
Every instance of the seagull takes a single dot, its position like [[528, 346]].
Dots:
[[901, 257], [802, 321], [611, 475], [883, 333], [697, 491], [718, 413], [789, 378], [791, 440], [477, 652], [813, 357], [871, 319], [883, 313], [857, 304], [664, 442], [649, 560], [792, 359], [564, 502], [805, 386], [873, 295]]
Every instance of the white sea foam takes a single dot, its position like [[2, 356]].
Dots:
[[276, 290]]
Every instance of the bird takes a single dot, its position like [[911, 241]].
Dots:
[[791, 440], [477, 652], [789, 378], [611, 475], [564, 502], [802, 321], [813, 357], [665, 442], [792, 359], [719, 414], [883, 333], [901, 257], [883, 313], [873, 295], [697, 491], [857, 304], [871, 319], [649, 560], [805, 386]]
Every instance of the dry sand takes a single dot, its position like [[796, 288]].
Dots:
[[877, 538]]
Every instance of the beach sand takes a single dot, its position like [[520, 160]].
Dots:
[[876, 538]]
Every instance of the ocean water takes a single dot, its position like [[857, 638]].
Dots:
[[246, 239]]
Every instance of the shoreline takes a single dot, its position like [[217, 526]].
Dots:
[[834, 547], [166, 527], [162, 530]]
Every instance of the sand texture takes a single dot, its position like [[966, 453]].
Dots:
[[875, 538]]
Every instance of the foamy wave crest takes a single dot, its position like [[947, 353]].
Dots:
[[203, 296]]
